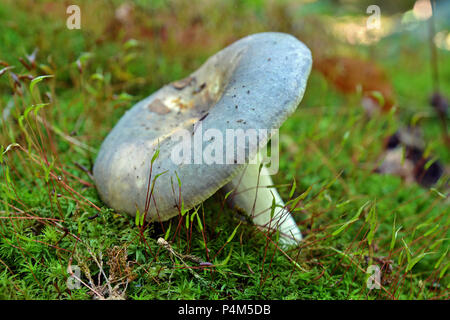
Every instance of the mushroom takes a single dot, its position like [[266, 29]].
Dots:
[[170, 150]]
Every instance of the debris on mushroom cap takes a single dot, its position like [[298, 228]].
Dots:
[[183, 83], [158, 106], [267, 92]]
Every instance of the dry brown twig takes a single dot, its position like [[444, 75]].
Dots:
[[120, 275]]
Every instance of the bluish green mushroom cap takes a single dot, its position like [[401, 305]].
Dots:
[[255, 83]]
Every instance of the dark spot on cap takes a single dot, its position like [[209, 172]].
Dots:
[[203, 117], [199, 89]]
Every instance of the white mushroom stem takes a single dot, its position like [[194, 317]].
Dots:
[[253, 192]]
